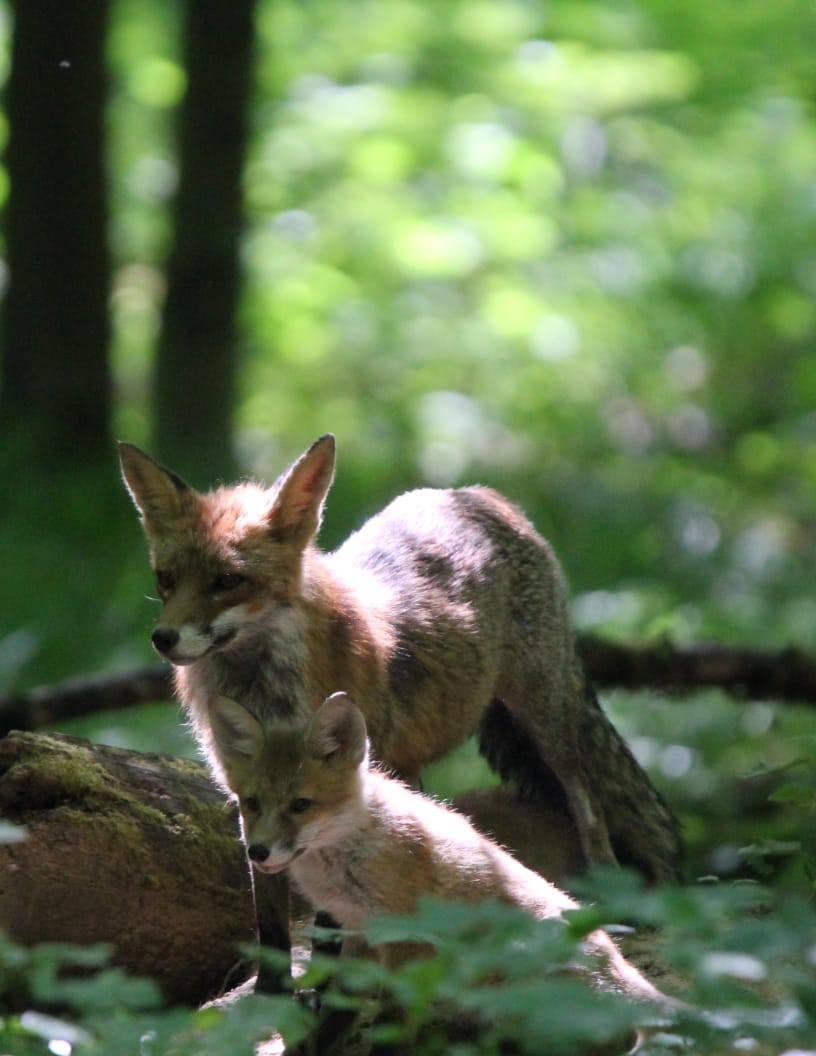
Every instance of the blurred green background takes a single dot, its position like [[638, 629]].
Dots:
[[566, 249]]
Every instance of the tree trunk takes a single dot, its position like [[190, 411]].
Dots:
[[55, 385], [130, 849], [195, 374]]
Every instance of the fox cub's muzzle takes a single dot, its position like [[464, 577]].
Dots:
[[272, 861]]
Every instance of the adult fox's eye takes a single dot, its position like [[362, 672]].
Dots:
[[297, 806], [252, 804], [165, 580], [228, 581]]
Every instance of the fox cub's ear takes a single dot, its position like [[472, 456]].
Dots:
[[338, 731], [160, 496], [297, 508], [236, 732]]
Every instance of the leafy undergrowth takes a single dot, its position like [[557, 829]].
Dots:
[[741, 958]]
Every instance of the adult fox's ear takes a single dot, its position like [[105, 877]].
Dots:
[[235, 731], [297, 508], [160, 496], [337, 733]]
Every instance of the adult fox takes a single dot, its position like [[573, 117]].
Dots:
[[444, 615]]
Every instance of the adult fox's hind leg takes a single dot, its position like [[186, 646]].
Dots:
[[546, 733], [545, 730], [539, 706]]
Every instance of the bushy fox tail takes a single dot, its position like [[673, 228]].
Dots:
[[643, 831]]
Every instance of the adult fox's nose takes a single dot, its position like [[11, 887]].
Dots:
[[164, 638], [258, 852]]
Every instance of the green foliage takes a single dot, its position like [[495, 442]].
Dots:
[[742, 959], [719, 940], [560, 250], [107, 1012], [563, 249]]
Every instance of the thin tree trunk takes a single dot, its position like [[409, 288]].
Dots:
[[195, 375], [55, 383]]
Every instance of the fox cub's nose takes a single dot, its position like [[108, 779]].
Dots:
[[257, 852], [163, 638]]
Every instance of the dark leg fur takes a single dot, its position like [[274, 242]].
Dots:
[[511, 754], [328, 946]]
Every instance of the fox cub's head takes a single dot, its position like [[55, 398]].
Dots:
[[297, 790], [225, 558]]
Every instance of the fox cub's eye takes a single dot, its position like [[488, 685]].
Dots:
[[252, 804], [165, 580], [228, 581], [297, 806]]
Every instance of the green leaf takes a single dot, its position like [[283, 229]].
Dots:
[[795, 794]]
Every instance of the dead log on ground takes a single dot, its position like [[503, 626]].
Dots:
[[132, 849]]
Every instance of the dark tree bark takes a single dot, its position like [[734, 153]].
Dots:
[[783, 674], [84, 695], [195, 375], [55, 391], [135, 850]]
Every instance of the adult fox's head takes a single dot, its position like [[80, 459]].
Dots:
[[225, 559], [297, 790]]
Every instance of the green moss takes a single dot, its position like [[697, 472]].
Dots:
[[71, 771], [186, 766], [82, 793], [68, 766], [123, 836]]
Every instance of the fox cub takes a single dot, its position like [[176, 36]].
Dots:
[[359, 843], [444, 615]]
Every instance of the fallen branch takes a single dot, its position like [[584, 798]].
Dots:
[[786, 674], [84, 695]]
